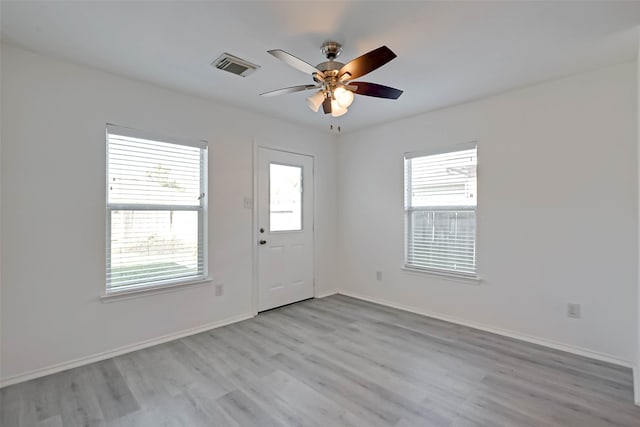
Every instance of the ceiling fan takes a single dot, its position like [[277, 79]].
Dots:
[[334, 80]]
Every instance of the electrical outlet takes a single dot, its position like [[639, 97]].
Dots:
[[379, 276], [248, 203], [219, 289], [573, 310]]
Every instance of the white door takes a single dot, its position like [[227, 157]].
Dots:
[[285, 228]]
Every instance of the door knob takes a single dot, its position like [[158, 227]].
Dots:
[[262, 242]]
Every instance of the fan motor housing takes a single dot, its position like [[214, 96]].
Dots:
[[327, 67], [330, 70]]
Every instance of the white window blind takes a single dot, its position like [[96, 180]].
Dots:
[[440, 211], [156, 210]]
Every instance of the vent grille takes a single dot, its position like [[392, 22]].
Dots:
[[234, 65]]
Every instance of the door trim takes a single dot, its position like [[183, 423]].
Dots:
[[254, 233]]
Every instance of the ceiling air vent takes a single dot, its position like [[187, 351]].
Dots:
[[234, 65]]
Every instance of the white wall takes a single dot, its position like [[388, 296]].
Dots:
[[53, 219], [557, 221]]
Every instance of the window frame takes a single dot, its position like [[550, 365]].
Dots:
[[201, 209], [408, 210]]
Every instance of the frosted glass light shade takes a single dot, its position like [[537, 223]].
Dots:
[[315, 101], [336, 109], [343, 96]]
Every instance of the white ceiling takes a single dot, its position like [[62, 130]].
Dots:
[[448, 52]]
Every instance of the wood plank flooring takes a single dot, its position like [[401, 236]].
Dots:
[[335, 361]]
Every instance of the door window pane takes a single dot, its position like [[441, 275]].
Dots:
[[285, 197]]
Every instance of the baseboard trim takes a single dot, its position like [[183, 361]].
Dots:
[[59, 367], [327, 293], [603, 357], [636, 384]]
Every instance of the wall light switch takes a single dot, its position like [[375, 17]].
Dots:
[[248, 203]]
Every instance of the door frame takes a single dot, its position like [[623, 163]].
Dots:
[[254, 233]]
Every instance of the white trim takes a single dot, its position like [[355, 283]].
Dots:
[[636, 384], [59, 367], [326, 293], [475, 280], [254, 233], [140, 291], [603, 357]]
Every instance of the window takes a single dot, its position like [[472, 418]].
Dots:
[[440, 210], [285, 197], [156, 211]]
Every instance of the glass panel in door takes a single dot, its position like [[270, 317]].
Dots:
[[285, 197]]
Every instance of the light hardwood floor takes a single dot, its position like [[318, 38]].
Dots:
[[330, 362]]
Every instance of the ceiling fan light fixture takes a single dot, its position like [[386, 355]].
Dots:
[[334, 79], [336, 109], [315, 101], [344, 97]]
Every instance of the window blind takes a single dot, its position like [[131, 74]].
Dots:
[[440, 211], [156, 201]]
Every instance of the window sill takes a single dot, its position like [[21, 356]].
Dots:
[[153, 290], [474, 280]]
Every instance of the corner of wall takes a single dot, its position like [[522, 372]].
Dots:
[[636, 371], [636, 384], [338, 253], [1, 207]]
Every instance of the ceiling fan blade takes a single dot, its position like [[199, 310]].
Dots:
[[373, 89], [367, 63], [326, 105], [295, 62], [291, 89]]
